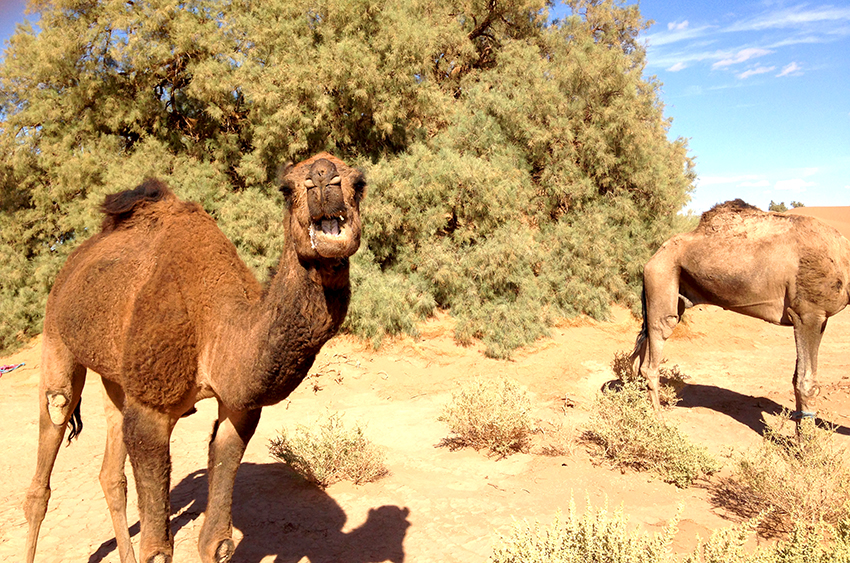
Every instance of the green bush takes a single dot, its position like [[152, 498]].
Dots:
[[625, 430], [329, 453], [384, 304], [492, 415], [520, 168]]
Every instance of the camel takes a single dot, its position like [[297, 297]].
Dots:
[[784, 269], [161, 307]]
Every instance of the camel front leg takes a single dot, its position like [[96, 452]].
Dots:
[[112, 477], [146, 435], [231, 434], [808, 332], [60, 389]]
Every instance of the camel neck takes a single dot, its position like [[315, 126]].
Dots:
[[303, 308]]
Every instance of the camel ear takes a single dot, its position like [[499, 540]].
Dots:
[[285, 184]]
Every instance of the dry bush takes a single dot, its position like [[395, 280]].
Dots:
[[558, 438], [600, 537], [671, 381], [594, 537], [492, 415], [625, 430], [329, 453], [799, 479]]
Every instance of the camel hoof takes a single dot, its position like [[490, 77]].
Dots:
[[224, 551], [159, 558], [56, 403]]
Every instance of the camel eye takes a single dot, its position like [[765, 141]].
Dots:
[[287, 186], [359, 187]]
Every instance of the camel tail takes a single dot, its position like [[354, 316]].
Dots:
[[643, 335], [120, 206], [76, 422]]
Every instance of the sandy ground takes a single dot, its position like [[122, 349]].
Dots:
[[436, 505]]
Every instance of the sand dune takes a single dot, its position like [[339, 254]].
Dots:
[[838, 217]]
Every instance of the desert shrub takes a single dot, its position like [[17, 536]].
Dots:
[[558, 438], [492, 415], [600, 537], [671, 381], [800, 479], [820, 543], [596, 537], [625, 430], [329, 453]]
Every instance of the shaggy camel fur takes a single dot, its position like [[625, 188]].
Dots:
[[784, 269], [162, 308]]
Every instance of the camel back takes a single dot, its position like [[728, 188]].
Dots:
[[120, 206]]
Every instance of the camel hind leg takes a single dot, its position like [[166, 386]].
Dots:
[[113, 480], [808, 332], [60, 389], [663, 308]]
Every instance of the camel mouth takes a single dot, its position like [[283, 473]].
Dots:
[[329, 236]]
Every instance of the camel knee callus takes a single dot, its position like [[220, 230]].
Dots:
[[159, 304], [785, 269]]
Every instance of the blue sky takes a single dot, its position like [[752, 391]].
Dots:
[[761, 90]]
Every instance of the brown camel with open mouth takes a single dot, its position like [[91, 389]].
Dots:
[[162, 308]]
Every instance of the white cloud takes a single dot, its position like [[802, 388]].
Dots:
[[677, 67], [675, 35], [792, 18], [673, 26], [741, 56], [755, 71], [792, 69], [793, 185]]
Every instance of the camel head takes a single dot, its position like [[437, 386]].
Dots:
[[324, 206]]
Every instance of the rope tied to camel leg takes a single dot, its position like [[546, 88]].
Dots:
[[800, 415]]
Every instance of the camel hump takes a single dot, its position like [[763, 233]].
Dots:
[[119, 207], [734, 207]]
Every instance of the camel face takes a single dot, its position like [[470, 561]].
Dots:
[[324, 196]]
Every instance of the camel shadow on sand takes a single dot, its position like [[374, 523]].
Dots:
[[281, 515], [746, 409]]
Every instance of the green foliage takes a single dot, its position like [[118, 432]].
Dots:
[[781, 207], [329, 453], [626, 431], [798, 474], [492, 415], [520, 168], [387, 304]]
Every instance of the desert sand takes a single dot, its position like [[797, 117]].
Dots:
[[436, 505]]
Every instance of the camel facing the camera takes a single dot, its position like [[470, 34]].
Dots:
[[161, 307]]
